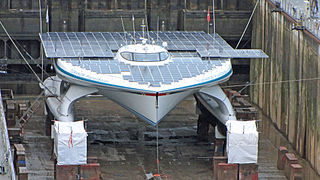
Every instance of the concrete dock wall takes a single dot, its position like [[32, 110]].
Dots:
[[21, 18], [5, 150], [287, 84]]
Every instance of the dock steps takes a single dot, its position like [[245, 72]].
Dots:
[[31, 110]]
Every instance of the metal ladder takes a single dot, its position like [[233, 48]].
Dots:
[[30, 111]]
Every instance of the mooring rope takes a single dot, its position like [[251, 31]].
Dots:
[[271, 82], [245, 29], [158, 163]]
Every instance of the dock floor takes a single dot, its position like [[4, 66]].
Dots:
[[126, 146]]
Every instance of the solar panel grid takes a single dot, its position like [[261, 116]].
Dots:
[[105, 69], [58, 46], [182, 42], [110, 41], [146, 73], [99, 44], [114, 68], [124, 67], [184, 70], [135, 73]]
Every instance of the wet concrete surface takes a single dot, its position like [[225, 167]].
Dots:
[[126, 146], [38, 150]]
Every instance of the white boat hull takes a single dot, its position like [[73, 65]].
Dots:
[[148, 107]]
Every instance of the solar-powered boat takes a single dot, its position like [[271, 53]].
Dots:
[[146, 73]]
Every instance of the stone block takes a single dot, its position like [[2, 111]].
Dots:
[[66, 172], [11, 119], [23, 173], [282, 150], [219, 147], [216, 160], [11, 106], [248, 172], [19, 157], [290, 158], [227, 171], [296, 172], [90, 171]]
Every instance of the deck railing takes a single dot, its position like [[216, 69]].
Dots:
[[302, 12]]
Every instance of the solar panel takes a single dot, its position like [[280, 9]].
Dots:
[[154, 75], [101, 44]]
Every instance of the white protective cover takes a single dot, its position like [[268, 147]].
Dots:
[[242, 142], [70, 143]]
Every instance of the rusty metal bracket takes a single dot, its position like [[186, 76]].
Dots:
[[299, 28], [278, 10]]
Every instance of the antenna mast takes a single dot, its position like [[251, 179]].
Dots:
[[145, 16], [214, 19], [143, 26], [41, 50], [158, 28], [147, 28], [134, 31], [124, 31]]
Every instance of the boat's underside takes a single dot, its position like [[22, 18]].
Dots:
[[151, 107]]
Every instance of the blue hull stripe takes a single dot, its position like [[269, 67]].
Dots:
[[169, 90]]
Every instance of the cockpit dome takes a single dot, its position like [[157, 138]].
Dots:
[[143, 53]]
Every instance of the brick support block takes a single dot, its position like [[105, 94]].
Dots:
[[219, 147], [290, 158], [19, 157], [216, 161], [282, 150], [23, 173], [11, 119], [296, 172], [90, 171], [227, 171], [19, 148], [248, 171], [66, 172]]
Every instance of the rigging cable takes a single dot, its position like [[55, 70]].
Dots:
[[39, 80], [124, 31], [134, 30], [157, 105], [24, 50], [41, 51], [245, 29], [158, 163], [271, 83]]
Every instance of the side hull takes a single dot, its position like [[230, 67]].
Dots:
[[61, 103], [217, 103]]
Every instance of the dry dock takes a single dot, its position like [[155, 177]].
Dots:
[[126, 146]]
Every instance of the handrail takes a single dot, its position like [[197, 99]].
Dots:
[[296, 15]]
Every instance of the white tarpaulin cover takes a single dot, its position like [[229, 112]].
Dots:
[[242, 142], [70, 143]]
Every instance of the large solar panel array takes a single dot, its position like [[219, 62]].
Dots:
[[103, 44], [175, 71]]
